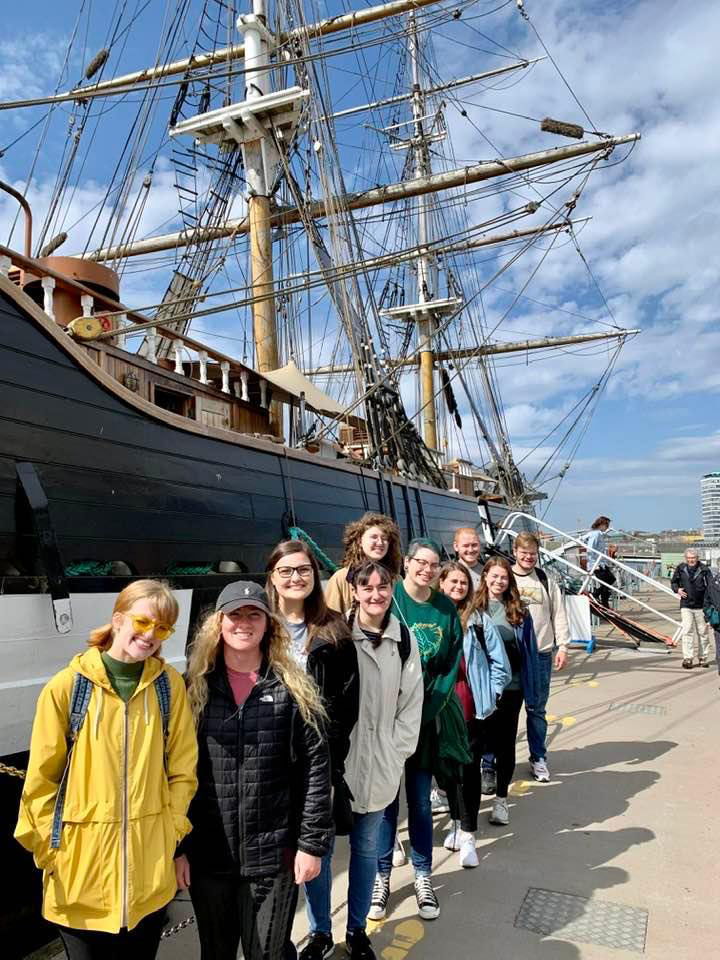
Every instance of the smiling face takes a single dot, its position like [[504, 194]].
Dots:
[[293, 576], [421, 569], [374, 543], [467, 546], [135, 632], [497, 581], [526, 557], [242, 630], [374, 597], [455, 585]]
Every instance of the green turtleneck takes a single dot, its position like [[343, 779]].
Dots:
[[123, 677]]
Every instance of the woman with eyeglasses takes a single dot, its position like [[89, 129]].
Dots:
[[385, 735], [110, 777], [373, 537], [442, 747], [261, 817]]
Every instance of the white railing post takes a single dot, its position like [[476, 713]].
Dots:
[[177, 350], [225, 368], [120, 339], [5, 264], [263, 393], [151, 340], [48, 285], [203, 357], [244, 381], [87, 302]]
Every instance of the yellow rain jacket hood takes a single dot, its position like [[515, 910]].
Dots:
[[123, 815]]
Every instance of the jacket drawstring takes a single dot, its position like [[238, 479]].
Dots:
[[147, 715], [98, 710]]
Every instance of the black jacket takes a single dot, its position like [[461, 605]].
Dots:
[[693, 585], [263, 782], [712, 583]]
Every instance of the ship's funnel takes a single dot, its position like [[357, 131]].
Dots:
[[66, 299]]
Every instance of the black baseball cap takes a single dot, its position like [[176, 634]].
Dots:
[[242, 593]]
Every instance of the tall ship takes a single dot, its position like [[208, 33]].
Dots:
[[315, 329]]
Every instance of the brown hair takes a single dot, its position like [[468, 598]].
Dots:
[[452, 566], [525, 539], [353, 534], [514, 607], [316, 612], [361, 578], [599, 522], [166, 608]]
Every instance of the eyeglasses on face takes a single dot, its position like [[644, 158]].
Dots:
[[160, 629], [426, 564], [286, 573]]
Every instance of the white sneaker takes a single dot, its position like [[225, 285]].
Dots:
[[452, 838], [468, 854], [439, 802], [399, 859], [427, 902], [540, 771], [500, 813]]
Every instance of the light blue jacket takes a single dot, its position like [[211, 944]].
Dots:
[[487, 675]]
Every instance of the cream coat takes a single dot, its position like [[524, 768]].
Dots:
[[388, 726], [123, 815]]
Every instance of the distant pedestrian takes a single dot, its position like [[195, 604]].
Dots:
[[712, 605], [544, 601], [596, 564], [373, 537], [689, 583], [467, 547]]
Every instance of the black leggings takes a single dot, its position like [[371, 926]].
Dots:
[[232, 910], [497, 734], [140, 943]]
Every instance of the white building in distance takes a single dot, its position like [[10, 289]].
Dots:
[[710, 496]]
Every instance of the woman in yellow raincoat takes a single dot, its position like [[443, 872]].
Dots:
[[104, 807]]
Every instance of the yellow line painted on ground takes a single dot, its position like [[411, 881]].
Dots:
[[520, 787], [593, 683], [551, 718], [405, 936], [568, 721]]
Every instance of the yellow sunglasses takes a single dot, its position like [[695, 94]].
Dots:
[[160, 629]]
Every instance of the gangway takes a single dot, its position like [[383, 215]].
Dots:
[[507, 530]]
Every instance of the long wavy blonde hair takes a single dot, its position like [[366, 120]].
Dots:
[[275, 645], [162, 597]]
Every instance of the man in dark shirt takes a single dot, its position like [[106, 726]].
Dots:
[[689, 582]]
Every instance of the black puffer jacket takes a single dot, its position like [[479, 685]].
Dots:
[[264, 781], [692, 581]]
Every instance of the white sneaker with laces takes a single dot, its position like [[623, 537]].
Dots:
[[439, 802], [500, 814], [540, 771], [452, 838], [399, 859], [380, 897], [468, 854]]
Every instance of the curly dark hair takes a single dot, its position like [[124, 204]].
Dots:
[[353, 534], [514, 607]]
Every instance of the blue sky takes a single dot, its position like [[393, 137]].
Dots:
[[652, 242]]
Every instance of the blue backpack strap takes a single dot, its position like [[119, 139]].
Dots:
[[79, 703], [162, 691]]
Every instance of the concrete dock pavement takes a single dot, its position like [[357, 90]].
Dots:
[[617, 856]]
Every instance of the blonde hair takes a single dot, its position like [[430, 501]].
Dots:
[[525, 539], [162, 597], [275, 646], [471, 530]]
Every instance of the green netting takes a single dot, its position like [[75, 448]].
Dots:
[[188, 569], [88, 568], [322, 558]]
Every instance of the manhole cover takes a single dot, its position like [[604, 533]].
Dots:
[[648, 709], [587, 921]]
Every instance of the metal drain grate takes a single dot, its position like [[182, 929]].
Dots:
[[576, 918], [647, 709]]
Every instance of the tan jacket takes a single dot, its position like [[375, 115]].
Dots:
[[388, 726], [338, 592]]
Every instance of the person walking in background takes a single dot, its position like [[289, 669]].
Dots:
[[373, 537], [485, 659], [261, 817], [385, 735], [712, 605], [596, 539], [467, 547], [442, 746], [544, 601], [110, 777], [689, 583]]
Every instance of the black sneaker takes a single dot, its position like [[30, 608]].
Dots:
[[318, 947], [428, 906], [380, 896], [687, 663], [488, 782], [358, 945]]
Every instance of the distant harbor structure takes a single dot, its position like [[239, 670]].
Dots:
[[710, 497]]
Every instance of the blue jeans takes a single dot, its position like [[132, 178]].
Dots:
[[417, 790], [536, 722], [363, 864]]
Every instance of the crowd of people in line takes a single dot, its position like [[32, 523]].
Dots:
[[301, 712]]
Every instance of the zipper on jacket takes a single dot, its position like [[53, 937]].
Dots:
[[124, 921]]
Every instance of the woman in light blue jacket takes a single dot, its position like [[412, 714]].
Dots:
[[483, 675]]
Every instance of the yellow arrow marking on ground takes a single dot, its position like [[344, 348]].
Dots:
[[405, 936], [568, 721]]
